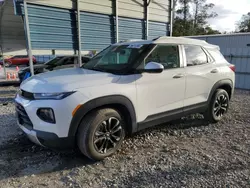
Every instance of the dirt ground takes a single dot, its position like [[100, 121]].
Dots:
[[188, 152]]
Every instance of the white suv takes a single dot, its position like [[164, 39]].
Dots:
[[125, 88]]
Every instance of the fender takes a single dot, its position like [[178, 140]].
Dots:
[[99, 102], [218, 85]]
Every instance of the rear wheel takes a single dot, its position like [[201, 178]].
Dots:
[[101, 133], [218, 107]]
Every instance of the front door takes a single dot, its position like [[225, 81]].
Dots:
[[161, 92]]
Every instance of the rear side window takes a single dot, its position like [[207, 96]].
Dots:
[[216, 54], [195, 55]]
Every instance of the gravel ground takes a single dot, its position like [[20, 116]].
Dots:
[[185, 153]]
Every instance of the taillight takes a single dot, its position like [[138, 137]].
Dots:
[[232, 67]]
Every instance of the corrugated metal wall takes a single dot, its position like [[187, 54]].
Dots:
[[52, 28], [97, 31], [131, 8], [131, 28], [156, 29], [55, 28], [236, 49], [159, 10]]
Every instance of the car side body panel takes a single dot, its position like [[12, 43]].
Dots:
[[199, 81]]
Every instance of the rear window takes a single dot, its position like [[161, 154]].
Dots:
[[195, 55], [216, 54]]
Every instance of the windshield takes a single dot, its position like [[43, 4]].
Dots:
[[116, 58]]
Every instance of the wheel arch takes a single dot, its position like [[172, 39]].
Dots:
[[225, 84], [118, 102]]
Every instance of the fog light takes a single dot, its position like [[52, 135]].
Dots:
[[46, 114]]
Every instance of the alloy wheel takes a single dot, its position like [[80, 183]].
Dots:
[[220, 106], [107, 135]]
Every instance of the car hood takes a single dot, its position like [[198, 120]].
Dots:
[[67, 80]]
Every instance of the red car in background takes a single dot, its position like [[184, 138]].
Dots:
[[18, 60]]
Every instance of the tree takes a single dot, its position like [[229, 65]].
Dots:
[[194, 22], [202, 13], [244, 24]]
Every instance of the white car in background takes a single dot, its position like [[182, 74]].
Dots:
[[125, 88]]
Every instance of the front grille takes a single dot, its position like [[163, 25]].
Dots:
[[27, 95], [22, 116]]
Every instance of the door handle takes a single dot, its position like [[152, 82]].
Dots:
[[178, 76], [214, 71]]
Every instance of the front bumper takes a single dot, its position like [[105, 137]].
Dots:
[[47, 139], [54, 135], [31, 134]]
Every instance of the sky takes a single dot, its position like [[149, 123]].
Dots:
[[229, 12]]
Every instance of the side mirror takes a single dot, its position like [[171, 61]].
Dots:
[[153, 67]]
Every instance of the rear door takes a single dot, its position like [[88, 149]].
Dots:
[[201, 74]]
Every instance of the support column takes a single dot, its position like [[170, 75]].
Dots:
[[147, 3], [171, 17], [147, 10], [4, 68], [79, 34], [117, 20], [28, 37]]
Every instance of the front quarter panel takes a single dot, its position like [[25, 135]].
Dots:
[[121, 92]]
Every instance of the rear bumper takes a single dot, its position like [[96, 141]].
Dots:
[[47, 139]]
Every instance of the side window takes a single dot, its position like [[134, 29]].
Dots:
[[68, 61], [195, 55], [216, 54], [167, 55]]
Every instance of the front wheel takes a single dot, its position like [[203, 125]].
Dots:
[[101, 133], [218, 107]]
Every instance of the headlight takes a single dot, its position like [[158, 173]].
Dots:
[[52, 96]]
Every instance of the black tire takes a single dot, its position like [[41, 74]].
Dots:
[[218, 106], [93, 136]]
